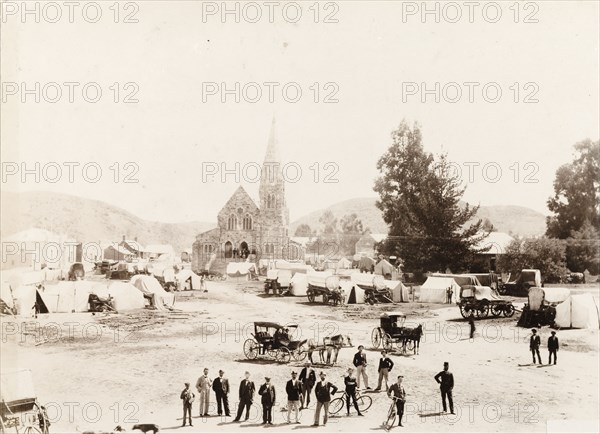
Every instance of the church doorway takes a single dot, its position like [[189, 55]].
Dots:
[[228, 249], [244, 251]]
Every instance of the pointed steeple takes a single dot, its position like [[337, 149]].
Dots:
[[272, 155]]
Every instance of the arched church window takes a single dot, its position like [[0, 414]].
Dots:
[[232, 223], [247, 223]]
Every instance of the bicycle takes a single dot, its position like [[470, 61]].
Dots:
[[336, 405], [391, 415]]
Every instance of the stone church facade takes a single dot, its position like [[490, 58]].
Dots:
[[245, 228]]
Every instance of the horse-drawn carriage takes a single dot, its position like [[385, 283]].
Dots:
[[391, 331], [20, 411], [324, 285], [480, 301], [275, 341]]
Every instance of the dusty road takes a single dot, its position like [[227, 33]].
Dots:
[[96, 372]]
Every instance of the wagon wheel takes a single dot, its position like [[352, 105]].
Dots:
[[311, 295], [482, 310], [467, 311], [299, 353], [497, 310], [283, 355], [272, 352], [251, 349], [376, 337], [325, 298], [509, 310], [388, 342]]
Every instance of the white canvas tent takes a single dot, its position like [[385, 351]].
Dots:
[[68, 296], [125, 295], [238, 269], [152, 288], [344, 263], [399, 291], [383, 267], [578, 311], [435, 287], [354, 294], [187, 279]]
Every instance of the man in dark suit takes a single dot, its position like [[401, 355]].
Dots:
[[552, 346], [534, 345], [446, 381], [397, 392], [293, 389], [308, 378], [360, 361], [247, 389], [385, 366], [188, 398], [267, 393], [221, 389], [323, 391]]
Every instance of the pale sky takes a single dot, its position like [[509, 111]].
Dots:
[[370, 55]]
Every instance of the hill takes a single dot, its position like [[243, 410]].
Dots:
[[90, 220], [512, 219]]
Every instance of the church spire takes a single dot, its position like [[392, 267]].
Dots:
[[272, 155]]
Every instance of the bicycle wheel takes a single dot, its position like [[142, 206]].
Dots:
[[364, 403], [336, 406], [391, 420]]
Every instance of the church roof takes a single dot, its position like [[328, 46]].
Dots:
[[240, 191]]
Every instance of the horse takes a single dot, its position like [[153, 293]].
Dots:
[[331, 344], [414, 335]]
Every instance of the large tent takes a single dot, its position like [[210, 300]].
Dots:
[[435, 287], [238, 269], [383, 267], [68, 296], [152, 289], [354, 294], [125, 296], [577, 311], [399, 291], [23, 298]]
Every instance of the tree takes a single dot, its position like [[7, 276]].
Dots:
[[304, 230], [546, 254], [576, 192], [583, 252], [351, 231], [420, 199], [329, 224], [488, 226]]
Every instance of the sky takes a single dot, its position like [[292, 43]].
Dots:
[[360, 67]]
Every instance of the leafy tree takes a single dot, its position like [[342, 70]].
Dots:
[[420, 199], [576, 192], [304, 230], [546, 254], [488, 226], [329, 224], [351, 231], [583, 251]]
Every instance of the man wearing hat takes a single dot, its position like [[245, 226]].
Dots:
[[221, 388], [446, 381], [385, 366], [534, 345], [360, 361], [247, 389], [323, 391], [267, 393], [204, 385], [188, 398], [293, 389], [552, 346], [397, 392], [308, 378], [350, 382]]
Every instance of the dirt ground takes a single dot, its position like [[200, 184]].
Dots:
[[99, 371]]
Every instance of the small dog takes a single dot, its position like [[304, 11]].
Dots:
[[145, 427]]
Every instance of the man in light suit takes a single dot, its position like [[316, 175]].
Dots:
[[203, 385]]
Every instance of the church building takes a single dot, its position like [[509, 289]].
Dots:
[[245, 227]]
